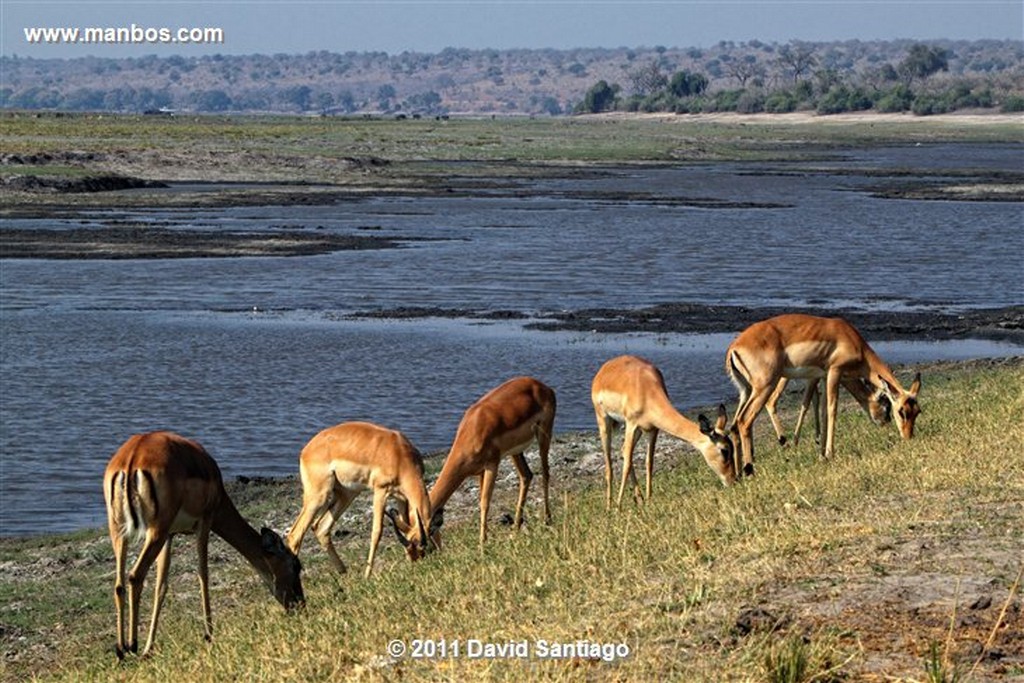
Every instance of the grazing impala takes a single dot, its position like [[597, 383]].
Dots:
[[341, 462], [631, 391], [505, 421], [160, 484], [805, 346], [875, 404]]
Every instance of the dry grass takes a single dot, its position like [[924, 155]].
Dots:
[[896, 561]]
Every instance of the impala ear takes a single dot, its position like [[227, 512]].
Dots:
[[271, 542], [916, 386], [705, 425], [722, 420], [890, 391], [393, 516]]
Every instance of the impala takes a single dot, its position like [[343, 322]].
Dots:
[[160, 484], [875, 404], [631, 391], [505, 421], [795, 345], [341, 462]]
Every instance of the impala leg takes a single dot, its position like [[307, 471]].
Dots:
[[810, 394], [151, 548], [340, 501], [525, 477], [163, 565], [203, 557], [652, 438], [314, 503], [380, 497], [544, 446], [486, 489], [605, 427], [629, 440], [120, 561], [832, 402], [745, 417], [773, 415], [819, 411]]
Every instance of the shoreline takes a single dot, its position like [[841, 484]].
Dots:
[[576, 459]]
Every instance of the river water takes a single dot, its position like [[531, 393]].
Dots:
[[253, 356]]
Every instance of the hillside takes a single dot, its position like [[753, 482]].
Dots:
[[510, 82]]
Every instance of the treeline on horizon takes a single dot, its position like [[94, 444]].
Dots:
[[748, 77], [890, 88]]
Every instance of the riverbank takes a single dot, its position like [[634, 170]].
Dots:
[[49, 159], [893, 557]]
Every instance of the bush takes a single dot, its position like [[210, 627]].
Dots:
[[898, 99], [750, 103], [724, 100], [1012, 104], [927, 105], [780, 102], [842, 98]]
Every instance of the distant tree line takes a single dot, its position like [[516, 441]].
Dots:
[[800, 83], [298, 99], [750, 76]]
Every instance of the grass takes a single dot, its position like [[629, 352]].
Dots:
[[795, 575], [278, 144]]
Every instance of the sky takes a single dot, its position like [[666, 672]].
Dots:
[[395, 26]]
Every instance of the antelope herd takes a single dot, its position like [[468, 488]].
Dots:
[[160, 484]]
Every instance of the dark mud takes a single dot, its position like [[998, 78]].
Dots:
[[1000, 324], [137, 242], [65, 184]]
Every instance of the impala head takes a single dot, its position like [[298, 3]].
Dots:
[[720, 452], [905, 408], [284, 568], [418, 540]]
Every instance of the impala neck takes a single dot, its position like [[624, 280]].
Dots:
[[880, 369], [447, 483], [666, 418], [229, 524]]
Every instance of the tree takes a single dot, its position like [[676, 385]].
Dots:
[[684, 83], [647, 79], [798, 58], [744, 69], [922, 62], [297, 96], [600, 97], [211, 100]]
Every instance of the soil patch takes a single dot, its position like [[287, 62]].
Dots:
[[1006, 324], [136, 242]]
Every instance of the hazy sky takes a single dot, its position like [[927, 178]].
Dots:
[[299, 26]]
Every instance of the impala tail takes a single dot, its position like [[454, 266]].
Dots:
[[131, 493]]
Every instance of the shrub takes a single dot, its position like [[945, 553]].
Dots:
[[927, 105], [898, 99], [750, 103], [780, 102], [1012, 104]]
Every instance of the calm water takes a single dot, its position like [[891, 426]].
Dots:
[[93, 351]]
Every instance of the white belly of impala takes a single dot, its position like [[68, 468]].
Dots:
[[353, 476], [184, 523], [803, 372]]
